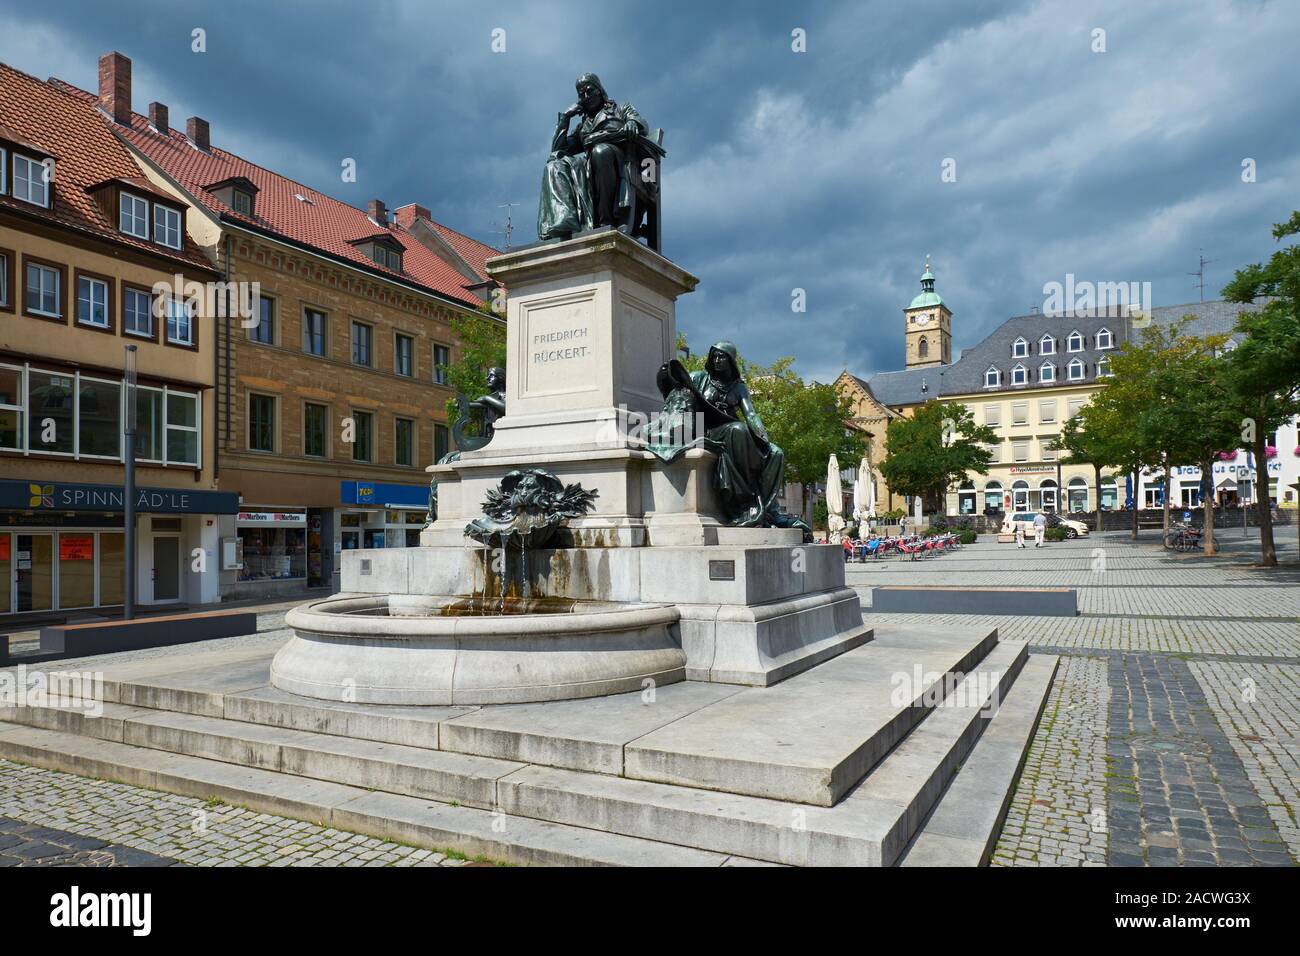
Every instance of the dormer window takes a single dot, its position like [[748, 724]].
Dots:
[[1075, 342], [133, 216], [237, 192], [992, 378], [1047, 372], [382, 248], [386, 257], [1104, 339], [1019, 348], [166, 226], [1019, 375], [32, 180], [1103, 367], [1047, 345], [1076, 370]]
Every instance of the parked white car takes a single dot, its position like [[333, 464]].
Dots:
[[1073, 529]]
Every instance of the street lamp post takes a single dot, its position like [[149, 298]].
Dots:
[[128, 488]]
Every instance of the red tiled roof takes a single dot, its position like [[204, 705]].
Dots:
[[323, 223], [85, 153], [471, 250]]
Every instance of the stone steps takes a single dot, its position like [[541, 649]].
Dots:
[[814, 736], [800, 753], [868, 827], [469, 830], [964, 826]]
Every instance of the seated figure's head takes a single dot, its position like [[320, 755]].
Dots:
[[591, 94], [496, 379], [722, 364]]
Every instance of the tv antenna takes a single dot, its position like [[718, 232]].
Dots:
[[509, 228], [1200, 273]]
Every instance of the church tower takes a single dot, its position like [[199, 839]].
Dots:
[[928, 326]]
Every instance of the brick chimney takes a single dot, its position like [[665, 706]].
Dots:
[[158, 117], [378, 211], [197, 130], [406, 215], [115, 87]]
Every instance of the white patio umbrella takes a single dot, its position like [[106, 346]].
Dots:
[[867, 506], [834, 499]]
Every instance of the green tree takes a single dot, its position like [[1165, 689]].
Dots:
[[1085, 443], [482, 339], [1263, 372], [934, 449], [1188, 420], [805, 419], [1109, 419]]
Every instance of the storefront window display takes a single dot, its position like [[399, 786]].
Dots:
[[274, 545]]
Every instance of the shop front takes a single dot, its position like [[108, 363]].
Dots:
[[62, 546], [381, 515]]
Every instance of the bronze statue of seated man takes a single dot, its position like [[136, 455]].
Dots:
[[750, 474], [585, 184]]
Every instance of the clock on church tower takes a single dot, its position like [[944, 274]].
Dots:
[[927, 326]]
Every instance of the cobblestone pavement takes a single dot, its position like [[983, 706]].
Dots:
[[29, 844], [1058, 813], [79, 821], [1172, 733]]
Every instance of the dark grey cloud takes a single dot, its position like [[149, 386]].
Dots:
[[816, 170]]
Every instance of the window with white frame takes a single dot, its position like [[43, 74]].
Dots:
[[51, 412], [1047, 345], [1047, 411], [166, 226], [32, 180], [1076, 370], [182, 431], [1020, 451], [1048, 449], [993, 415], [1073, 406], [1047, 372], [133, 216], [44, 290], [92, 302], [137, 312], [1103, 367], [1104, 339], [180, 321], [1075, 342], [1019, 348], [12, 403], [992, 377], [1019, 413], [1019, 375]]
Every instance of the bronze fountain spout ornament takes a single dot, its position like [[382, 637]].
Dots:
[[605, 173]]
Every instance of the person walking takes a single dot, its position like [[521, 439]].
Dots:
[[1020, 531], [1040, 529]]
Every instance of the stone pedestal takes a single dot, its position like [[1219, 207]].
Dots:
[[589, 323]]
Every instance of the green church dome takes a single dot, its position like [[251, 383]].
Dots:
[[928, 296]]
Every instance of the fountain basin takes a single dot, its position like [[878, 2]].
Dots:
[[430, 649]]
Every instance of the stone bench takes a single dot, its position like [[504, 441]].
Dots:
[[1030, 602], [107, 637]]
